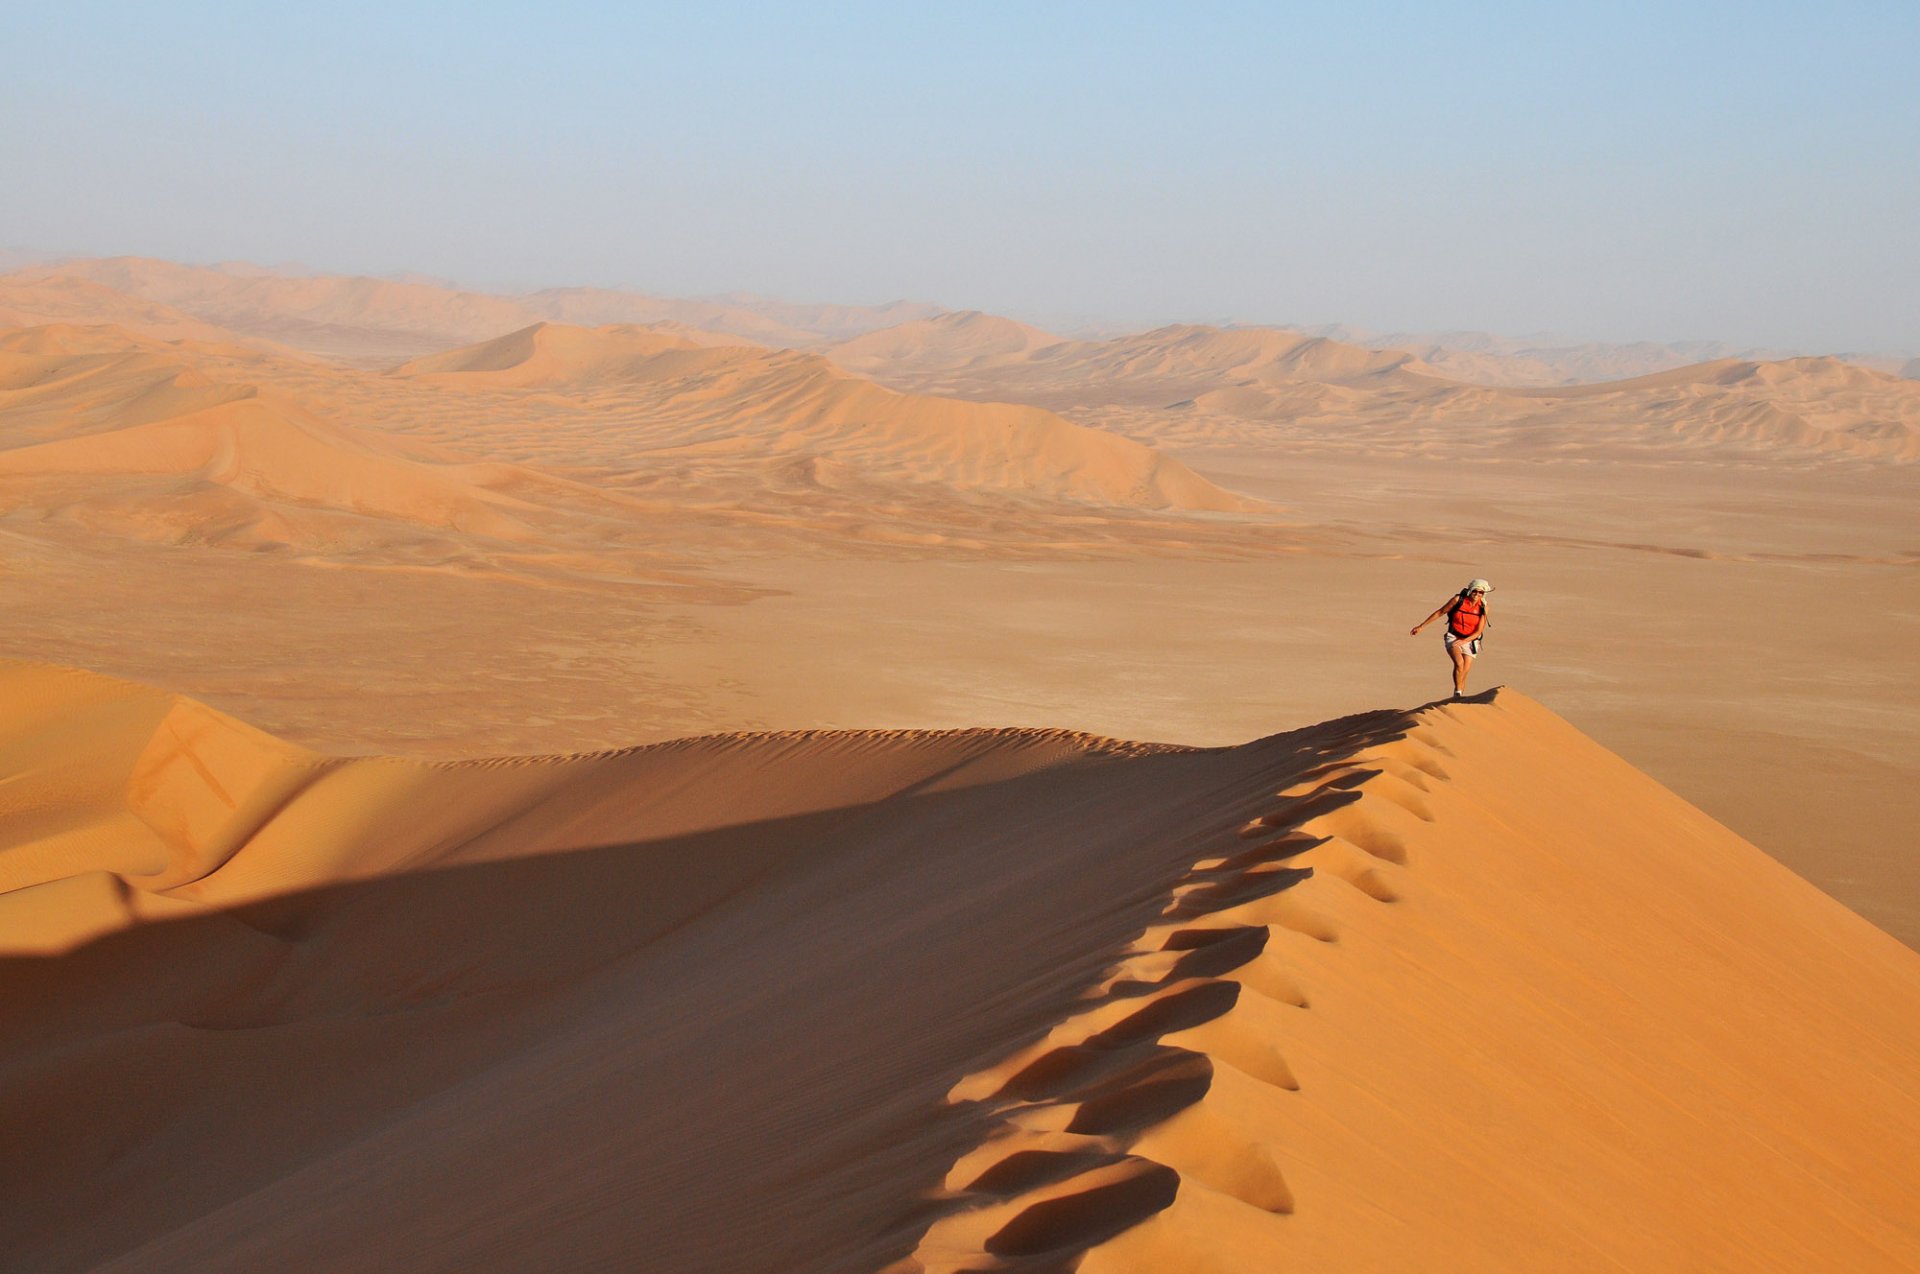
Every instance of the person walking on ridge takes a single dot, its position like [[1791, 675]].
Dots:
[[1467, 625]]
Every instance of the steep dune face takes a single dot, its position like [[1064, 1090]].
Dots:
[[550, 354], [1452, 989], [717, 402]]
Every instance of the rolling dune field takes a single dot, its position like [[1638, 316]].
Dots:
[[807, 909]]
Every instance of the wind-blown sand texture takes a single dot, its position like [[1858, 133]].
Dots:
[[595, 536], [1452, 989], [1196, 387]]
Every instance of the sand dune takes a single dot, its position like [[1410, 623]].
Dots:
[[1484, 358], [828, 322], [550, 354], [939, 344], [1171, 363], [115, 433], [1200, 387], [753, 403], [224, 466], [1186, 386], [369, 319], [33, 302], [332, 314], [747, 317], [881, 592], [1452, 989]]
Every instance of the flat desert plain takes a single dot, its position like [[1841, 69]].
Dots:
[[905, 841]]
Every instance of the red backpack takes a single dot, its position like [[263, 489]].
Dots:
[[1466, 617]]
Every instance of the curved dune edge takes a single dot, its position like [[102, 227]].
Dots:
[[795, 404], [1449, 989]]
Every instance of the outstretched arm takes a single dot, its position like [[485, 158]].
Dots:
[[1448, 606]]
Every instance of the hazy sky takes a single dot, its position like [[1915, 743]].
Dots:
[[1748, 172]]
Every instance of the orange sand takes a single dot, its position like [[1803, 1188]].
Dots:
[[1451, 989]]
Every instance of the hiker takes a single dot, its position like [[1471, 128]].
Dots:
[[1467, 625]]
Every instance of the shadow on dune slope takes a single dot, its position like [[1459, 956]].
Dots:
[[730, 1048], [942, 1002]]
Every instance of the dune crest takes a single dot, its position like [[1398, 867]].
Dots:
[[331, 314], [364, 318], [1212, 1009], [751, 402], [118, 432], [1195, 387], [942, 343]]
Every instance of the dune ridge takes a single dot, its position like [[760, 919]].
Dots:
[[1452, 987], [121, 433], [1189, 386], [741, 315], [1196, 387], [944, 342], [747, 401], [364, 318]]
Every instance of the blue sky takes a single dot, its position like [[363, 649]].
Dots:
[[1744, 172]]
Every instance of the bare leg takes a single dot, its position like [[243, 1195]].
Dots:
[[1462, 662]]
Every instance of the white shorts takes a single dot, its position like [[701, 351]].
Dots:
[[1473, 643]]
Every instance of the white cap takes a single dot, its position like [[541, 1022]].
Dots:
[[1478, 586]]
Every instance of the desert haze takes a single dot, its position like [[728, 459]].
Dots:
[[583, 779]]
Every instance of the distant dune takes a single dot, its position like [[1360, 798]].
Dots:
[[557, 354], [750, 318], [116, 433], [718, 401], [970, 1000], [1197, 387], [368, 318], [324, 313], [938, 344], [31, 302]]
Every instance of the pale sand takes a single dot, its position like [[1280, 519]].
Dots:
[[1452, 989], [371, 320]]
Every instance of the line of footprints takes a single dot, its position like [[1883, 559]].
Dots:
[[1139, 1108]]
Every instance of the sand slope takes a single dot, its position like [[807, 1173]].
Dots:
[[1169, 364], [32, 302], [372, 318], [942, 343], [1199, 387], [1451, 990], [745, 317], [334, 314], [119, 433], [745, 401]]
